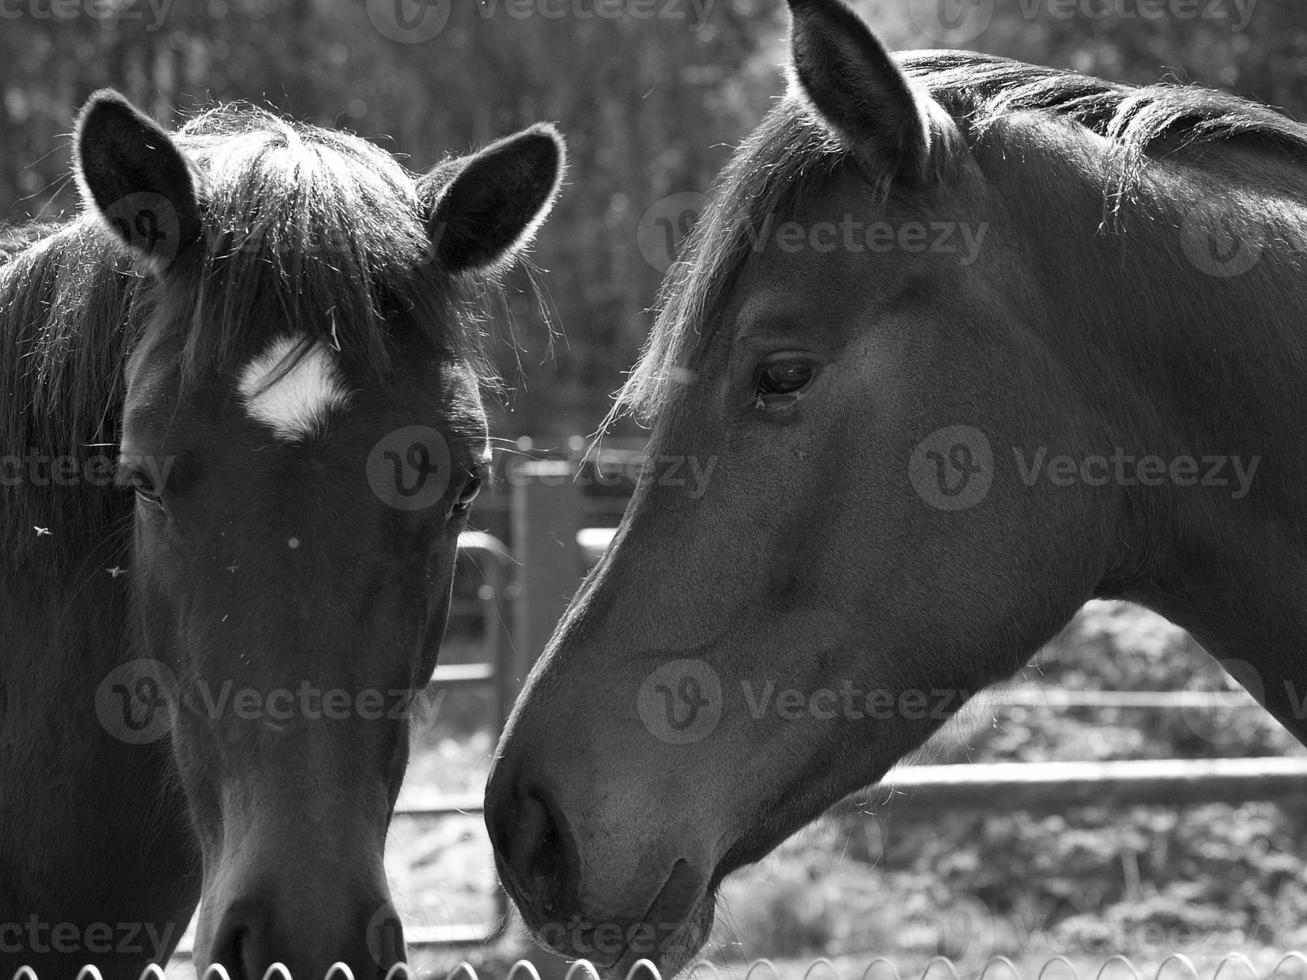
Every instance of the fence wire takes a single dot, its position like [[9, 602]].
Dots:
[[1177, 966]]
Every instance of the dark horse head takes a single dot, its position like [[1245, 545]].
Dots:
[[960, 343], [270, 329]]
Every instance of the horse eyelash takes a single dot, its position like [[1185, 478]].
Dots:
[[763, 402]]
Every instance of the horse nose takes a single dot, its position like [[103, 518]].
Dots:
[[533, 848], [251, 937]]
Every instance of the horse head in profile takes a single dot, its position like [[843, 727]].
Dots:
[[954, 338], [254, 368]]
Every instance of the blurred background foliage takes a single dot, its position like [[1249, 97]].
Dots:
[[1087, 882], [651, 105]]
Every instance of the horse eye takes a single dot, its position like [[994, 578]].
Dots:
[[780, 378], [142, 485], [468, 495], [149, 496]]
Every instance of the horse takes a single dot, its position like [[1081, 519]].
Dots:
[[964, 343], [241, 430]]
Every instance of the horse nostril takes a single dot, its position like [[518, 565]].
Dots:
[[544, 867], [535, 843], [234, 950], [245, 957]]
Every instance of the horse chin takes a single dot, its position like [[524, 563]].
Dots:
[[671, 930], [675, 952]]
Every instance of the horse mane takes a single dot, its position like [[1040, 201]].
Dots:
[[987, 88], [317, 228], [791, 151], [15, 238]]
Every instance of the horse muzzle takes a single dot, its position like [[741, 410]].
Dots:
[[609, 905], [307, 934]]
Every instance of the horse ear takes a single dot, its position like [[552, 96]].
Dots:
[[857, 90], [485, 208], [136, 179]]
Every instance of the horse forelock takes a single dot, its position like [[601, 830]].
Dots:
[[790, 151], [322, 229]]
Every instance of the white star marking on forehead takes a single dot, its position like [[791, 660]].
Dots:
[[294, 404]]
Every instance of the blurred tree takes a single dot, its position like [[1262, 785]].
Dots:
[[651, 106]]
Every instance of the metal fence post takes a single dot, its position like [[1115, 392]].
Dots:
[[546, 516]]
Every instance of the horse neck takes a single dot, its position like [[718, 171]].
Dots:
[[1178, 357]]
